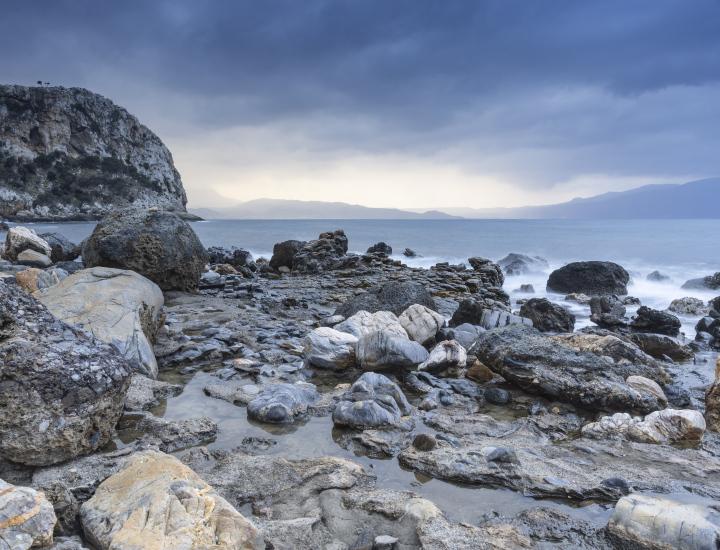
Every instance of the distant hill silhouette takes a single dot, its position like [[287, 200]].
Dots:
[[279, 209], [694, 200]]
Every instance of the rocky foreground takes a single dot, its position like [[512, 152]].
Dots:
[[432, 368]]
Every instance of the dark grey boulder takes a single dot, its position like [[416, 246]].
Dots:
[[711, 282], [236, 257], [477, 313], [465, 334], [522, 264], [372, 401], [327, 253], [61, 390], [410, 253], [282, 403], [61, 249], [381, 248], [468, 312], [489, 273], [157, 245], [591, 278], [607, 311], [658, 277], [391, 296], [548, 317], [656, 322], [284, 253], [537, 364]]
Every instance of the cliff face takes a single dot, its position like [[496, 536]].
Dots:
[[70, 154]]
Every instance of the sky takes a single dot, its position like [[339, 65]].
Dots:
[[395, 103]]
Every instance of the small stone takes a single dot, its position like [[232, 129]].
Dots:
[[504, 455], [498, 396], [424, 442]]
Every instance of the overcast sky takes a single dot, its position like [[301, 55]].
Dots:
[[403, 103]]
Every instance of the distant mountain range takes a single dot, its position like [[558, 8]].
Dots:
[[694, 200], [280, 209]]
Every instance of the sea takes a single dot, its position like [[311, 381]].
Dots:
[[681, 249]]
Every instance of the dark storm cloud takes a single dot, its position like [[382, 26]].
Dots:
[[405, 75]]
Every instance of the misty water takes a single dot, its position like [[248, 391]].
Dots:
[[682, 249]]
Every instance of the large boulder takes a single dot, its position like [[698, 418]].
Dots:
[[669, 426], [421, 323], [372, 401], [655, 322], [688, 306], [157, 245], [284, 253], [283, 403], [61, 250], [119, 307], [328, 348], [591, 278], [548, 317], [391, 296], [21, 238], [522, 264], [157, 502], [647, 522], [61, 388], [327, 252], [27, 518], [380, 350], [711, 282], [364, 322], [537, 364], [627, 358]]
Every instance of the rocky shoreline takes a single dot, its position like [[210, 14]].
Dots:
[[434, 372]]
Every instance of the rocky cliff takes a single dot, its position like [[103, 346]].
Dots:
[[70, 154]]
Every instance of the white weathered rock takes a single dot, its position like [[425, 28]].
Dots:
[[21, 238], [119, 307], [328, 348], [421, 323], [27, 519], [448, 358], [659, 523], [669, 426], [666, 426], [363, 323], [382, 349], [157, 503], [688, 306], [645, 384]]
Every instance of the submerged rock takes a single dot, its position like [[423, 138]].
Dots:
[[548, 317], [157, 245], [119, 307], [390, 296], [522, 264], [641, 521], [64, 387], [658, 277], [592, 278], [711, 282], [328, 348], [283, 403], [27, 519], [156, 501], [373, 400], [537, 364]]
